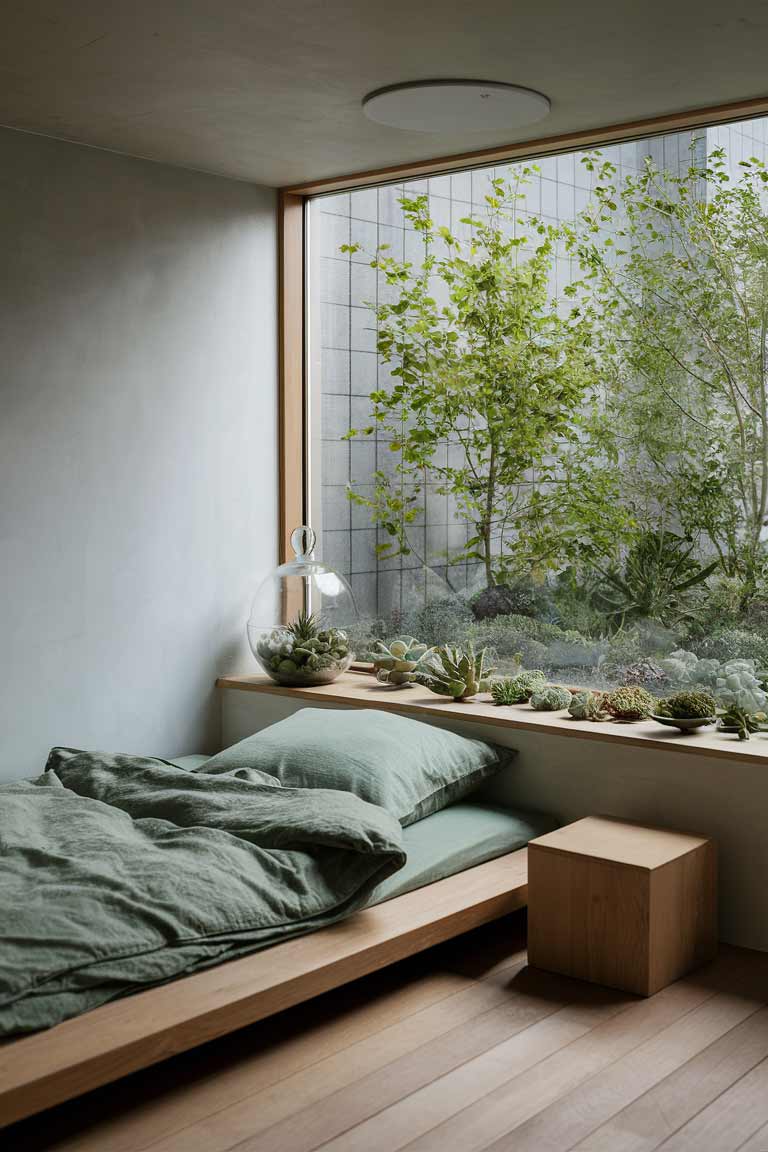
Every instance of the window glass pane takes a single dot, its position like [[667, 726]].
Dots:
[[539, 418]]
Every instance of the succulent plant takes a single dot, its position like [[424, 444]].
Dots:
[[737, 686], [550, 698], [688, 706], [503, 691], [455, 672], [683, 667], [733, 684], [517, 689], [629, 703], [506, 690], [303, 652], [587, 706], [305, 627], [398, 662], [741, 722]]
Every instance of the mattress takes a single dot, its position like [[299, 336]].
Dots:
[[449, 841]]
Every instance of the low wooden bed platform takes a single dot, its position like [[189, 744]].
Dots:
[[60, 1063]]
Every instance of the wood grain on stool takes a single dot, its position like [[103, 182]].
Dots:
[[621, 904]]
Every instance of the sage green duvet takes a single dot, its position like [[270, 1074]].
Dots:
[[120, 872]]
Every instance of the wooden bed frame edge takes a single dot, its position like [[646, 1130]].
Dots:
[[49, 1067]]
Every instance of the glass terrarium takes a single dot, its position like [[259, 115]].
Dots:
[[313, 645]]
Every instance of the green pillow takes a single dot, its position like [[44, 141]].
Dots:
[[406, 766]]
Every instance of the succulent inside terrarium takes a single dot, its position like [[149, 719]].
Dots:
[[304, 652]]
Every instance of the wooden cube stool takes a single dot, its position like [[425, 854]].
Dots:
[[621, 904]]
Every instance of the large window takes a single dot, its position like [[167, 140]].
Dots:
[[539, 408]]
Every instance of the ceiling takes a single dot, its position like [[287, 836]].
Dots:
[[270, 92]]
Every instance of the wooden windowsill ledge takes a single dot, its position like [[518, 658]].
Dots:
[[358, 690]]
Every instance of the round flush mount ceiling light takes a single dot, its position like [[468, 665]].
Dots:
[[455, 106]]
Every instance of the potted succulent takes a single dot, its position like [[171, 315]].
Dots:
[[455, 672], [687, 711], [398, 663]]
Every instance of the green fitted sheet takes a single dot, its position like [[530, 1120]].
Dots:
[[458, 837]]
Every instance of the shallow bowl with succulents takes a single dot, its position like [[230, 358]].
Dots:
[[684, 723], [687, 711], [303, 653]]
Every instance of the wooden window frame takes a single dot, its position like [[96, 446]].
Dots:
[[292, 290]]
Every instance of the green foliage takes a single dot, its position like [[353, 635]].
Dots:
[[572, 650], [688, 706], [640, 409], [587, 706], [364, 635], [755, 614], [550, 698], [456, 672], [440, 621], [659, 582], [624, 647], [572, 602], [623, 650], [674, 279], [734, 644], [497, 372], [630, 703], [507, 642], [724, 606]]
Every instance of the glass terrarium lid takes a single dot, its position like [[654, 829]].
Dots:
[[303, 584]]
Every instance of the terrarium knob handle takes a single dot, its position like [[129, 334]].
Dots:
[[303, 541]]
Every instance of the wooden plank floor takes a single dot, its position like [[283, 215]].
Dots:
[[459, 1049]]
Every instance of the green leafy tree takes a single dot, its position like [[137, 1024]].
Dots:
[[489, 376], [676, 282]]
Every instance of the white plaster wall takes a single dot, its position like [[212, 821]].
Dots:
[[572, 778], [138, 483]]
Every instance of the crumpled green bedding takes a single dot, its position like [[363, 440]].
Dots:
[[120, 872]]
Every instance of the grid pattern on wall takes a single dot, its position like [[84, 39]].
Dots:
[[345, 367]]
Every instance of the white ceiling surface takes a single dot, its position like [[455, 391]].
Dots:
[[271, 92]]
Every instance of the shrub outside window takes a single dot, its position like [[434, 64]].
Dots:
[[539, 410]]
